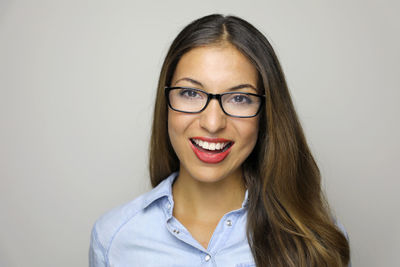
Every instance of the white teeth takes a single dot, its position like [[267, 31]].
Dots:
[[210, 145], [205, 145]]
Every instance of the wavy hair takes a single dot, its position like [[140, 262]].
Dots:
[[288, 222]]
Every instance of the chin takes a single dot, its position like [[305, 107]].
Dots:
[[210, 174]]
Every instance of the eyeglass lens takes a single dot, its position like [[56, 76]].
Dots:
[[235, 104]]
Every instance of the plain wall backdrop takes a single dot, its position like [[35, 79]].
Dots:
[[77, 85]]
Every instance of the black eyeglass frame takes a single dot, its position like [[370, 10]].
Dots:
[[168, 89]]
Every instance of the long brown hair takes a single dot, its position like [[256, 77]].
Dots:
[[288, 221]]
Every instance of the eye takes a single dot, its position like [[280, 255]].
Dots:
[[240, 99], [189, 93]]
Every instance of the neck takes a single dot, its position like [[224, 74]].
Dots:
[[211, 200]]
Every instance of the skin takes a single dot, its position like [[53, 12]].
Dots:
[[204, 192]]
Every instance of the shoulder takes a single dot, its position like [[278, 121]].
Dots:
[[109, 224], [341, 227]]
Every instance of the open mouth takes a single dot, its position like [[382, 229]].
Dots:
[[211, 147], [211, 150]]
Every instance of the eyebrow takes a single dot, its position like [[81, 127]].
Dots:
[[190, 80], [240, 86]]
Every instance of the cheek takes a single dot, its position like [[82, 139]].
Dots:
[[172, 127], [249, 133], [253, 139], [249, 130], [177, 124]]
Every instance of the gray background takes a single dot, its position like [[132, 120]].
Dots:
[[77, 84]]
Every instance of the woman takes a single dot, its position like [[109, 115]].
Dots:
[[234, 181]]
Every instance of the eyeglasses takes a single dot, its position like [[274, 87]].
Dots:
[[235, 104]]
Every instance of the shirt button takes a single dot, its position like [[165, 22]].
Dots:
[[168, 206], [229, 222], [207, 257]]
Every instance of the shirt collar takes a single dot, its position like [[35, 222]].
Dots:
[[245, 201], [164, 189]]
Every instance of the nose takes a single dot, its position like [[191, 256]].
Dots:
[[213, 119]]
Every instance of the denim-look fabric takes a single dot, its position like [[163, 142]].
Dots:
[[144, 233]]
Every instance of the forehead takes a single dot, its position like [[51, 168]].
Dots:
[[216, 66]]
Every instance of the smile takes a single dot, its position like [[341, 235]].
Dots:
[[211, 150]]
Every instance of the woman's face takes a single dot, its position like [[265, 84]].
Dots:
[[214, 69]]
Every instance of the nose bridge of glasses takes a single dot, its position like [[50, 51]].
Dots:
[[214, 96], [213, 117], [217, 97]]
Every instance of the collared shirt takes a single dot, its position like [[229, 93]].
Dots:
[[144, 233]]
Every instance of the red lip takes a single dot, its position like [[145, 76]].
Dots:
[[208, 156]]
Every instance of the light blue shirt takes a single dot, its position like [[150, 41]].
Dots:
[[144, 233]]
